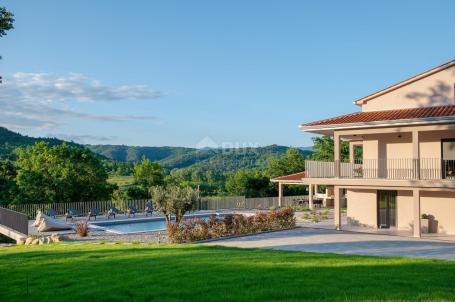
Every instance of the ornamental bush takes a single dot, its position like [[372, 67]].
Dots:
[[189, 230]]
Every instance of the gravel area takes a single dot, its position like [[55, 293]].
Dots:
[[148, 237]]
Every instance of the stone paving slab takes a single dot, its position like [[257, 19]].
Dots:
[[331, 241]]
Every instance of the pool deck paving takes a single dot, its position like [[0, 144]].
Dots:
[[344, 242]]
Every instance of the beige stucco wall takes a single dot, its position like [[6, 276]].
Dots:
[[442, 206], [430, 142], [388, 145], [434, 90], [362, 207], [392, 146], [405, 208]]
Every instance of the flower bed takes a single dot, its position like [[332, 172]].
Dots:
[[232, 224]]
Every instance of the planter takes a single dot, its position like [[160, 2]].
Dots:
[[425, 225]]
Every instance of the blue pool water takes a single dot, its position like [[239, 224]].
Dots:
[[139, 225]]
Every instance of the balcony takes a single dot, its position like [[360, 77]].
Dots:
[[394, 169]]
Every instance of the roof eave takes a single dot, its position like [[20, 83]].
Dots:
[[379, 124]]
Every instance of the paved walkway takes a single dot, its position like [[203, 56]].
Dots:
[[331, 241]]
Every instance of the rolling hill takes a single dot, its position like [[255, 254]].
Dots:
[[9, 140], [221, 160]]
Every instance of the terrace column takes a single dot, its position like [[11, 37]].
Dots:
[[416, 154], [310, 196], [337, 153], [351, 152], [416, 203], [337, 209], [280, 194]]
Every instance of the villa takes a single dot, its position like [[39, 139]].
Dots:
[[404, 178]]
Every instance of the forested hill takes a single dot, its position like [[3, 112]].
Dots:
[[10, 140], [133, 153], [224, 160], [221, 160]]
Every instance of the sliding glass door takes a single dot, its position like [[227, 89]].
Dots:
[[387, 205]]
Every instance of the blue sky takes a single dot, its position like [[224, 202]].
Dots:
[[161, 73]]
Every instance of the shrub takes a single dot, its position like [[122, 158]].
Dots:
[[316, 216], [231, 224], [81, 229], [137, 192]]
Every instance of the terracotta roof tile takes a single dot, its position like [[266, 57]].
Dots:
[[388, 115], [291, 177]]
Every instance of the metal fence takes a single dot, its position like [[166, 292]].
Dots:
[[14, 220], [269, 202], [240, 202], [226, 202], [205, 203]]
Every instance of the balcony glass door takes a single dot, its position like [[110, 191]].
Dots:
[[448, 158], [387, 205]]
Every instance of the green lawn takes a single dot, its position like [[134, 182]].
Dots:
[[121, 181], [139, 272]]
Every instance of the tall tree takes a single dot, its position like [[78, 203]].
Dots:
[[8, 187], [60, 174], [148, 173], [6, 21], [323, 148], [291, 162], [249, 183]]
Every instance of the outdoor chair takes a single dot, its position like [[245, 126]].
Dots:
[[72, 213], [317, 203], [131, 210], [51, 212], [112, 212], [148, 208], [93, 213]]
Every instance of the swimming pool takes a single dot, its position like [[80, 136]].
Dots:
[[140, 225]]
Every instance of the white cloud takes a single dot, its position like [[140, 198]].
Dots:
[[72, 87], [43, 101], [82, 139]]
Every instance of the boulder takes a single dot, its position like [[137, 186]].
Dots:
[[35, 241], [50, 224], [28, 241], [21, 241]]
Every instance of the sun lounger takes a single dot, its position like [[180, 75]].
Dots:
[[112, 212], [72, 213], [131, 210], [93, 213], [148, 208], [51, 212]]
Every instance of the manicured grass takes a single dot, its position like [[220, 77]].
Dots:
[[139, 272], [121, 181]]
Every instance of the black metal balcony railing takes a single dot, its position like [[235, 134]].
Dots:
[[400, 169]]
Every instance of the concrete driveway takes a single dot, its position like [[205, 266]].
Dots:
[[331, 241]]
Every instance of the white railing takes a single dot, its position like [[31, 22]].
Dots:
[[319, 169], [398, 168]]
